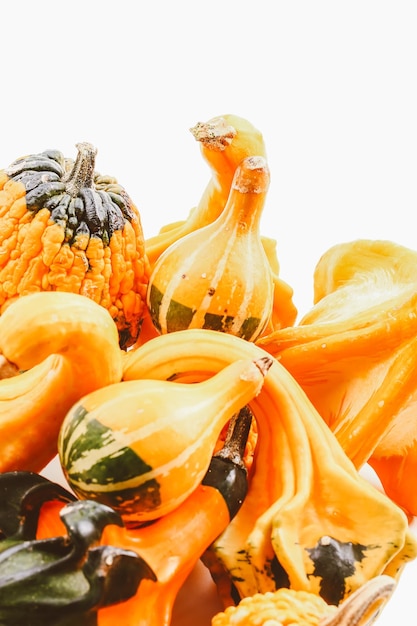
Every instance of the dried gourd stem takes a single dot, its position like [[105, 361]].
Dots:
[[82, 172], [363, 606], [216, 134], [7, 369], [252, 176], [237, 437]]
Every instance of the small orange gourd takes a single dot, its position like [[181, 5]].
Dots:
[[218, 277]]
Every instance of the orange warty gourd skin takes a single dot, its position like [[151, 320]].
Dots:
[[64, 227]]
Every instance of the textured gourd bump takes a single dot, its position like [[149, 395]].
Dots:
[[218, 277], [65, 227]]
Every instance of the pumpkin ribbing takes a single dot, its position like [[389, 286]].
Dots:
[[64, 227]]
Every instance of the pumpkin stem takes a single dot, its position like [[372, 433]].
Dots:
[[82, 173], [236, 437]]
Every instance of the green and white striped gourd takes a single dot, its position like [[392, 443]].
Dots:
[[218, 277]]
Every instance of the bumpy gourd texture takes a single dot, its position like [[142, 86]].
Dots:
[[63, 227], [284, 607]]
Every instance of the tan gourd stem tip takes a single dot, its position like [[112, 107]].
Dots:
[[236, 437], [7, 368], [246, 182], [363, 604], [263, 364], [215, 134], [82, 173]]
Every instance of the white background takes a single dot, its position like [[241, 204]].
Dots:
[[331, 85]]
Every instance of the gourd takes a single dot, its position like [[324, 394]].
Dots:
[[64, 227], [288, 607], [218, 277], [63, 578], [225, 141], [355, 355], [143, 446], [195, 524], [309, 521], [33, 506], [60, 346]]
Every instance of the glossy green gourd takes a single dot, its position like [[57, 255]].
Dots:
[[218, 277], [142, 446]]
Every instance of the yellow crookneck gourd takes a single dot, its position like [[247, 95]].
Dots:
[[355, 355], [309, 521], [59, 346], [142, 446], [218, 277], [225, 142]]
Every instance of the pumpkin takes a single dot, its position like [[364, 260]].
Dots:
[[218, 277], [142, 446], [64, 227]]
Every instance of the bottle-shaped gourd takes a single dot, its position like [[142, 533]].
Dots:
[[218, 277], [142, 446]]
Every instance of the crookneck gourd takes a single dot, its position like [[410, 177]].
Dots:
[[309, 521], [142, 446], [355, 355], [64, 227], [218, 277], [225, 142], [52, 568], [58, 346]]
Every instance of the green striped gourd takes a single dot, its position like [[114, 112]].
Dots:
[[218, 277], [142, 446]]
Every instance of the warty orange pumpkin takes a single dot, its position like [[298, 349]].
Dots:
[[64, 227]]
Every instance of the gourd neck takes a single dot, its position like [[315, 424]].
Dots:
[[82, 173], [225, 141], [247, 195]]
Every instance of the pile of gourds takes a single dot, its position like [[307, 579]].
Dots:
[[184, 400]]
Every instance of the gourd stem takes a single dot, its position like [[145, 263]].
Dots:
[[82, 172], [237, 437]]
